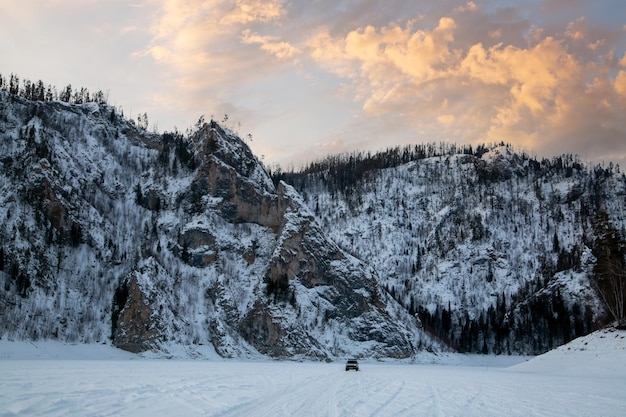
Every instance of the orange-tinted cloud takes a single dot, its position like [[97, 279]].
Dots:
[[529, 93], [620, 83], [468, 6], [470, 74], [192, 36], [271, 44], [206, 49]]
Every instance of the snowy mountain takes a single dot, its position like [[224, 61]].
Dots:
[[494, 250], [112, 234]]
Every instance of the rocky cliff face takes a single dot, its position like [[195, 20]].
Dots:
[[137, 326], [300, 268], [313, 274], [113, 234]]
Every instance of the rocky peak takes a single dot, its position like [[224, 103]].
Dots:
[[228, 172], [225, 146]]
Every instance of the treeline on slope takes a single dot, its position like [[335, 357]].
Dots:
[[533, 321], [343, 172], [538, 318], [40, 91]]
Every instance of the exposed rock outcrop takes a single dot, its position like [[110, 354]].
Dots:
[[198, 247], [310, 272], [239, 199], [136, 328]]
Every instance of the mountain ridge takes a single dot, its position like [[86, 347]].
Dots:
[[495, 251], [113, 234]]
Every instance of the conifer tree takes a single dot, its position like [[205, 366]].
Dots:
[[610, 269]]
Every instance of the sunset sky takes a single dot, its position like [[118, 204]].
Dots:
[[309, 78]]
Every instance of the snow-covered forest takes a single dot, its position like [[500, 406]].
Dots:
[[495, 250]]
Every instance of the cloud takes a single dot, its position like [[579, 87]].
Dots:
[[530, 92], [189, 33], [271, 44], [248, 11], [577, 30], [460, 71], [446, 119], [206, 50], [468, 6], [495, 34], [380, 61], [620, 83]]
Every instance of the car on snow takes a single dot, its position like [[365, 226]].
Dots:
[[352, 364]]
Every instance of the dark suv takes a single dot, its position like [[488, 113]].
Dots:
[[352, 364]]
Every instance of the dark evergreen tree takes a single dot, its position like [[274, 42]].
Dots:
[[138, 194], [76, 234], [66, 94], [40, 91], [610, 269], [556, 247], [14, 85]]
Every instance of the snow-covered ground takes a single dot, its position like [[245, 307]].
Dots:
[[585, 378]]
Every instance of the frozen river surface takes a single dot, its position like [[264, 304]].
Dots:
[[584, 379]]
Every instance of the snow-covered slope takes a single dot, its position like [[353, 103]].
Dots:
[[114, 234], [492, 249], [599, 354]]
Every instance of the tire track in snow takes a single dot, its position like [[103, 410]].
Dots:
[[389, 400], [436, 407], [331, 394], [291, 397]]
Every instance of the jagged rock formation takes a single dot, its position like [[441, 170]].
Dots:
[[114, 234], [137, 325]]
